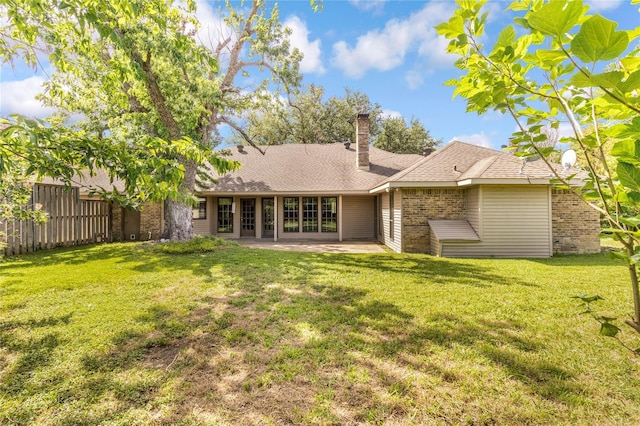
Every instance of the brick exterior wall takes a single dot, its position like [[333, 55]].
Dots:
[[420, 205], [151, 221], [575, 225], [116, 222]]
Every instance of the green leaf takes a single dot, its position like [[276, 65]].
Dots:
[[597, 40], [618, 255], [629, 175], [556, 18], [627, 150], [507, 37], [609, 330], [631, 130], [550, 57], [631, 83], [631, 221]]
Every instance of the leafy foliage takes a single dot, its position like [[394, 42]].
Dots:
[[146, 94], [559, 64], [397, 137], [306, 117], [198, 244]]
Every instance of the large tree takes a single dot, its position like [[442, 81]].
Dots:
[[149, 87], [306, 117], [397, 137], [560, 64]]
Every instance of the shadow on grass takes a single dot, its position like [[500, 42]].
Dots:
[[579, 260], [284, 347]]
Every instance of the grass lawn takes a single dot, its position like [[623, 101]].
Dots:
[[125, 334]]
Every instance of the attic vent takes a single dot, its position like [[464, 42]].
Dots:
[[240, 148], [427, 151], [347, 144]]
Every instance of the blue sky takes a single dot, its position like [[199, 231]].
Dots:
[[386, 49]]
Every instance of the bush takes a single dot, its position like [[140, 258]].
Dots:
[[199, 244]]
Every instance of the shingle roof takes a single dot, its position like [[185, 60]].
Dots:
[[83, 180], [309, 168], [453, 230], [446, 164], [459, 161], [331, 168]]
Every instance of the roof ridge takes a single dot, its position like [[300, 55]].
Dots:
[[483, 167], [454, 141], [418, 163]]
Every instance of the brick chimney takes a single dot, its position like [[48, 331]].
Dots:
[[362, 142]]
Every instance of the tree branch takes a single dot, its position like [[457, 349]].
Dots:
[[153, 88], [242, 133], [604, 89]]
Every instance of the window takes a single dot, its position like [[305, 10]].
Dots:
[[309, 214], [329, 214], [291, 214], [225, 215], [391, 214], [200, 211]]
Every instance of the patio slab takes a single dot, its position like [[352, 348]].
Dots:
[[316, 246]]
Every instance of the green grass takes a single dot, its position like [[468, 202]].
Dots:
[[221, 334]]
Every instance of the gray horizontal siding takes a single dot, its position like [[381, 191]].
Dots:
[[394, 244], [203, 226], [358, 214], [514, 223]]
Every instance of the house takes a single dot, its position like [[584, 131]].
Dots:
[[460, 201], [124, 224]]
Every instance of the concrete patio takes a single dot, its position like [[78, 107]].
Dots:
[[315, 246]]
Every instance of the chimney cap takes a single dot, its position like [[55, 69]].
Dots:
[[363, 115]]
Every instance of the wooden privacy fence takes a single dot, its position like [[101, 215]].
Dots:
[[71, 221]]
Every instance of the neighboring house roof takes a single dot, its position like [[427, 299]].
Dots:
[[309, 168], [84, 181]]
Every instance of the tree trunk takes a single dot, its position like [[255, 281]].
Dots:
[[633, 274], [178, 220], [178, 215]]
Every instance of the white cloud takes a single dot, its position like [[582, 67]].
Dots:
[[481, 139], [492, 115], [213, 29], [600, 5], [565, 130], [19, 97], [386, 48], [495, 10], [389, 113], [368, 5], [414, 79], [312, 61]]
